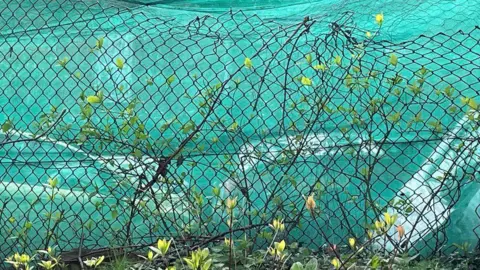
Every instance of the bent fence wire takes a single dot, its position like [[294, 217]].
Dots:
[[120, 127]]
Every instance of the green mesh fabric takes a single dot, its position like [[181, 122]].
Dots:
[[204, 43]]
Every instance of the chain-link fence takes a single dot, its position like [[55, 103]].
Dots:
[[121, 126]]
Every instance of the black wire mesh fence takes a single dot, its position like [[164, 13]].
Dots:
[[121, 127]]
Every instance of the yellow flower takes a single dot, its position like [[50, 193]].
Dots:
[[280, 246], [321, 67], [94, 262], [379, 18], [379, 225], [227, 242], [24, 258], [368, 34], [150, 255], [16, 257], [336, 263], [47, 265], [52, 182], [231, 203], [310, 203], [248, 63], [94, 99], [401, 231], [163, 246], [119, 63], [389, 219], [351, 242], [277, 225], [370, 234], [306, 81]]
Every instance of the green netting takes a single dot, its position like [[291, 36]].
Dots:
[[257, 133]]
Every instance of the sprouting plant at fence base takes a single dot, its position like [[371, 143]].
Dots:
[[94, 262], [199, 260], [43, 259]]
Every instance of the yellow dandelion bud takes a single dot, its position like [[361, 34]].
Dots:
[[248, 63], [379, 225], [389, 219], [227, 242], [370, 234], [150, 255], [310, 203], [231, 203], [119, 62], [336, 263], [277, 225], [368, 34], [163, 246], [379, 18], [351, 242]]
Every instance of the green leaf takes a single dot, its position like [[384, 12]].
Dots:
[[190, 125], [170, 79], [120, 63], [306, 81], [436, 125], [470, 102], [233, 127], [364, 171], [63, 62], [394, 118], [137, 153], [393, 60], [6, 126], [114, 214], [415, 88], [308, 57], [449, 91], [312, 264], [297, 266], [338, 60], [216, 191], [94, 100], [99, 43], [207, 265]]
